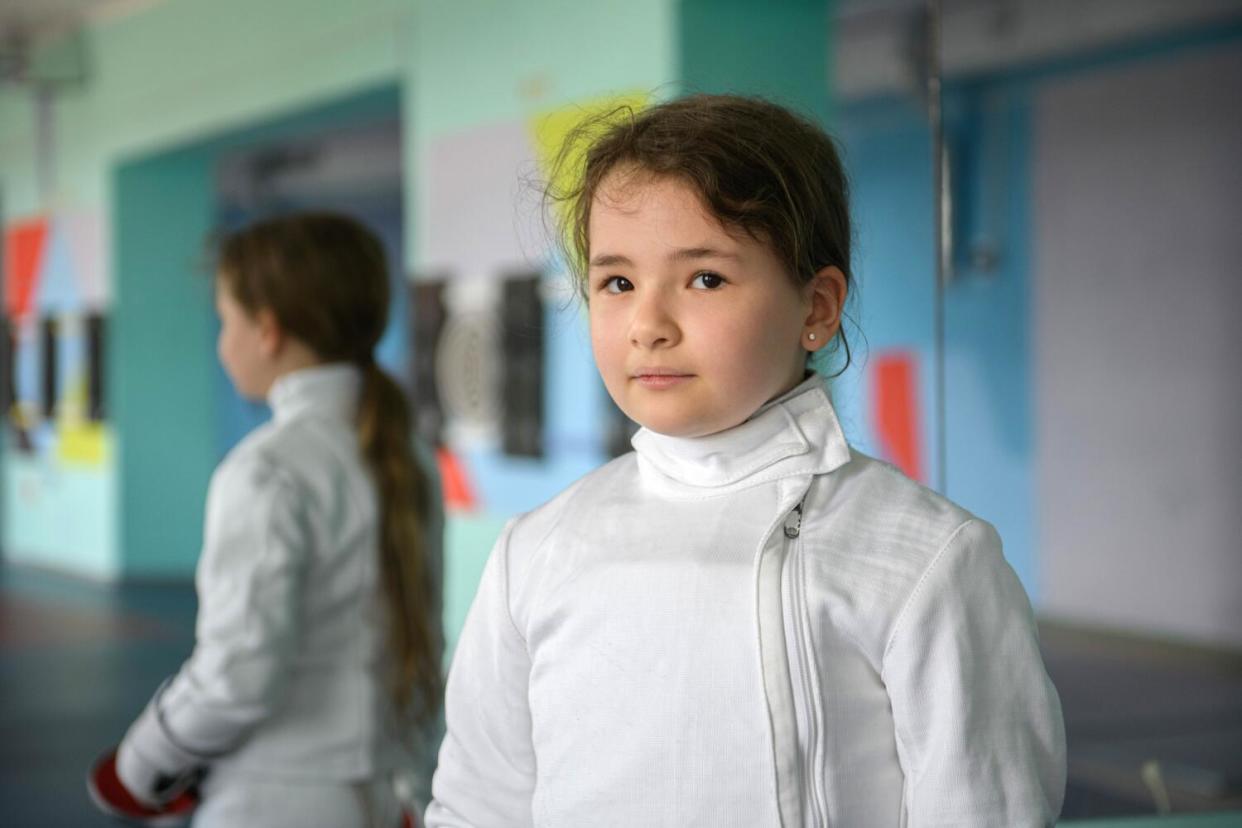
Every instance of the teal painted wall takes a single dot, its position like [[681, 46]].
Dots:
[[169, 85], [163, 349], [160, 363], [780, 50]]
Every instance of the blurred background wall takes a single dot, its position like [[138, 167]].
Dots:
[[1091, 314], [1092, 308], [153, 125]]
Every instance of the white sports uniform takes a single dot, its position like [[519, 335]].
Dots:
[[755, 628], [286, 697]]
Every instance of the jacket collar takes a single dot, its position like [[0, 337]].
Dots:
[[794, 434], [330, 389]]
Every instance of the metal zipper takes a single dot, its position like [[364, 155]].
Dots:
[[778, 683], [800, 681], [817, 725], [793, 529], [793, 521]]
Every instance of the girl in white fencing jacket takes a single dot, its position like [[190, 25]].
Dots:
[[743, 622], [315, 670]]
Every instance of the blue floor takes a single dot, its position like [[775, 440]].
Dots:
[[78, 660]]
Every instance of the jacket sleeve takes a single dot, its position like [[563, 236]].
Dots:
[[486, 772], [250, 575], [979, 730]]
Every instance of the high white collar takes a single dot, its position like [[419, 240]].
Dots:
[[794, 434], [330, 389]]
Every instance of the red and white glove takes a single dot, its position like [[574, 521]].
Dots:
[[113, 797]]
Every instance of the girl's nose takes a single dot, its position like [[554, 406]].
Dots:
[[653, 326]]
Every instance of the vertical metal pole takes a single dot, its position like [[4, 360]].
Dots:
[[45, 144], [942, 212]]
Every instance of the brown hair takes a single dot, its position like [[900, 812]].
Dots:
[[757, 167], [324, 277]]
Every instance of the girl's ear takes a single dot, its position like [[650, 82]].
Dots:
[[271, 335], [827, 292]]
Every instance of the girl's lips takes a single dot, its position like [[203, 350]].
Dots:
[[660, 380]]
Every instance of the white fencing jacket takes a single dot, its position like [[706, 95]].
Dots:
[[753, 628], [289, 677]]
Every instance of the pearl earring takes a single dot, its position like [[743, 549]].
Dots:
[[811, 337]]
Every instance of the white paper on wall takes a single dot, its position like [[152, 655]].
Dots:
[[479, 212]]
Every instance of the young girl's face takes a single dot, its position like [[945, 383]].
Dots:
[[693, 327], [242, 345]]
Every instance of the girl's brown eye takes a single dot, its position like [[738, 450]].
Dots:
[[617, 284], [709, 281]]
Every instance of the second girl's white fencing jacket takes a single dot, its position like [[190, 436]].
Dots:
[[289, 677], [754, 628]]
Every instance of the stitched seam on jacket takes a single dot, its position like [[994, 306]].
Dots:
[[897, 625], [168, 734], [918, 588], [503, 549], [734, 488]]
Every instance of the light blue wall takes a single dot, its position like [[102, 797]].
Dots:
[[987, 341], [754, 47], [38, 530], [989, 374]]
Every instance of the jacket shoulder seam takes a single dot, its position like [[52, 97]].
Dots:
[[919, 586]]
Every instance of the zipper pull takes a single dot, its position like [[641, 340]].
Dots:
[[793, 522]]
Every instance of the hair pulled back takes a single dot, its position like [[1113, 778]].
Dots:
[[324, 278], [758, 168]]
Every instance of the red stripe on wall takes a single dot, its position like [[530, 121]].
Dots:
[[24, 244], [458, 493], [895, 410]]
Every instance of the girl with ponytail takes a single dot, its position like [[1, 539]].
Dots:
[[315, 678]]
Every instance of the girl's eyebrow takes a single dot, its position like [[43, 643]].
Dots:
[[682, 254], [691, 253], [610, 260]]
